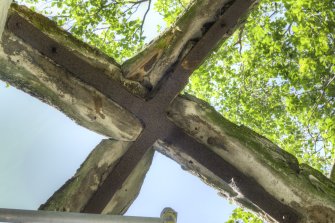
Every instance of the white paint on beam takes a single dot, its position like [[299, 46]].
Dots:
[[4, 6]]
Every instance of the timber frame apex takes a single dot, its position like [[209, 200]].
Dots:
[[137, 105], [151, 66]]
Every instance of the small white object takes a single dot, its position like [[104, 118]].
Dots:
[[4, 6]]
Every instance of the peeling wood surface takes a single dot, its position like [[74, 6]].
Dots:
[[150, 112], [130, 189], [149, 66], [256, 198], [227, 189], [278, 172], [25, 68], [84, 52], [76, 192], [228, 157], [153, 112]]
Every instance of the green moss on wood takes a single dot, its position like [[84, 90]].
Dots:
[[284, 163], [51, 28], [304, 182], [77, 191], [90, 54]]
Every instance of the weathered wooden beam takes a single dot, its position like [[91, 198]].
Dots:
[[76, 192], [278, 180], [253, 166], [153, 112], [225, 178], [155, 61], [96, 75], [30, 70], [117, 177]]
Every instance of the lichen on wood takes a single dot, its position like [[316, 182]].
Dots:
[[28, 70], [298, 186], [224, 189], [76, 192], [130, 189], [86, 52], [150, 65], [278, 172]]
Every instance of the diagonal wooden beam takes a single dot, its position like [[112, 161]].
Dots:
[[271, 179], [260, 175], [79, 68], [162, 55], [153, 112], [255, 197], [75, 193], [31, 71]]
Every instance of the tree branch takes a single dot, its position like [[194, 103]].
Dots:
[[144, 17], [239, 41]]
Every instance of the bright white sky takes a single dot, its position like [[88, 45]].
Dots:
[[41, 148]]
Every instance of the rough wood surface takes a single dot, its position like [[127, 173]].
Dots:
[[76, 192], [24, 68], [159, 57], [85, 52], [298, 186], [280, 178], [27, 69]]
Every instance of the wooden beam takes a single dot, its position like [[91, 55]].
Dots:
[[27, 68], [76, 192], [153, 112], [256, 169], [271, 180], [171, 48]]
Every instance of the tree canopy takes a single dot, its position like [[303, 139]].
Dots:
[[275, 74]]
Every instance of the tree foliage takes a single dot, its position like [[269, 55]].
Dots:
[[241, 216], [275, 74], [110, 25]]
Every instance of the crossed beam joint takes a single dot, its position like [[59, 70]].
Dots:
[[152, 110]]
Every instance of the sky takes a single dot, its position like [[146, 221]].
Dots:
[[41, 148]]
